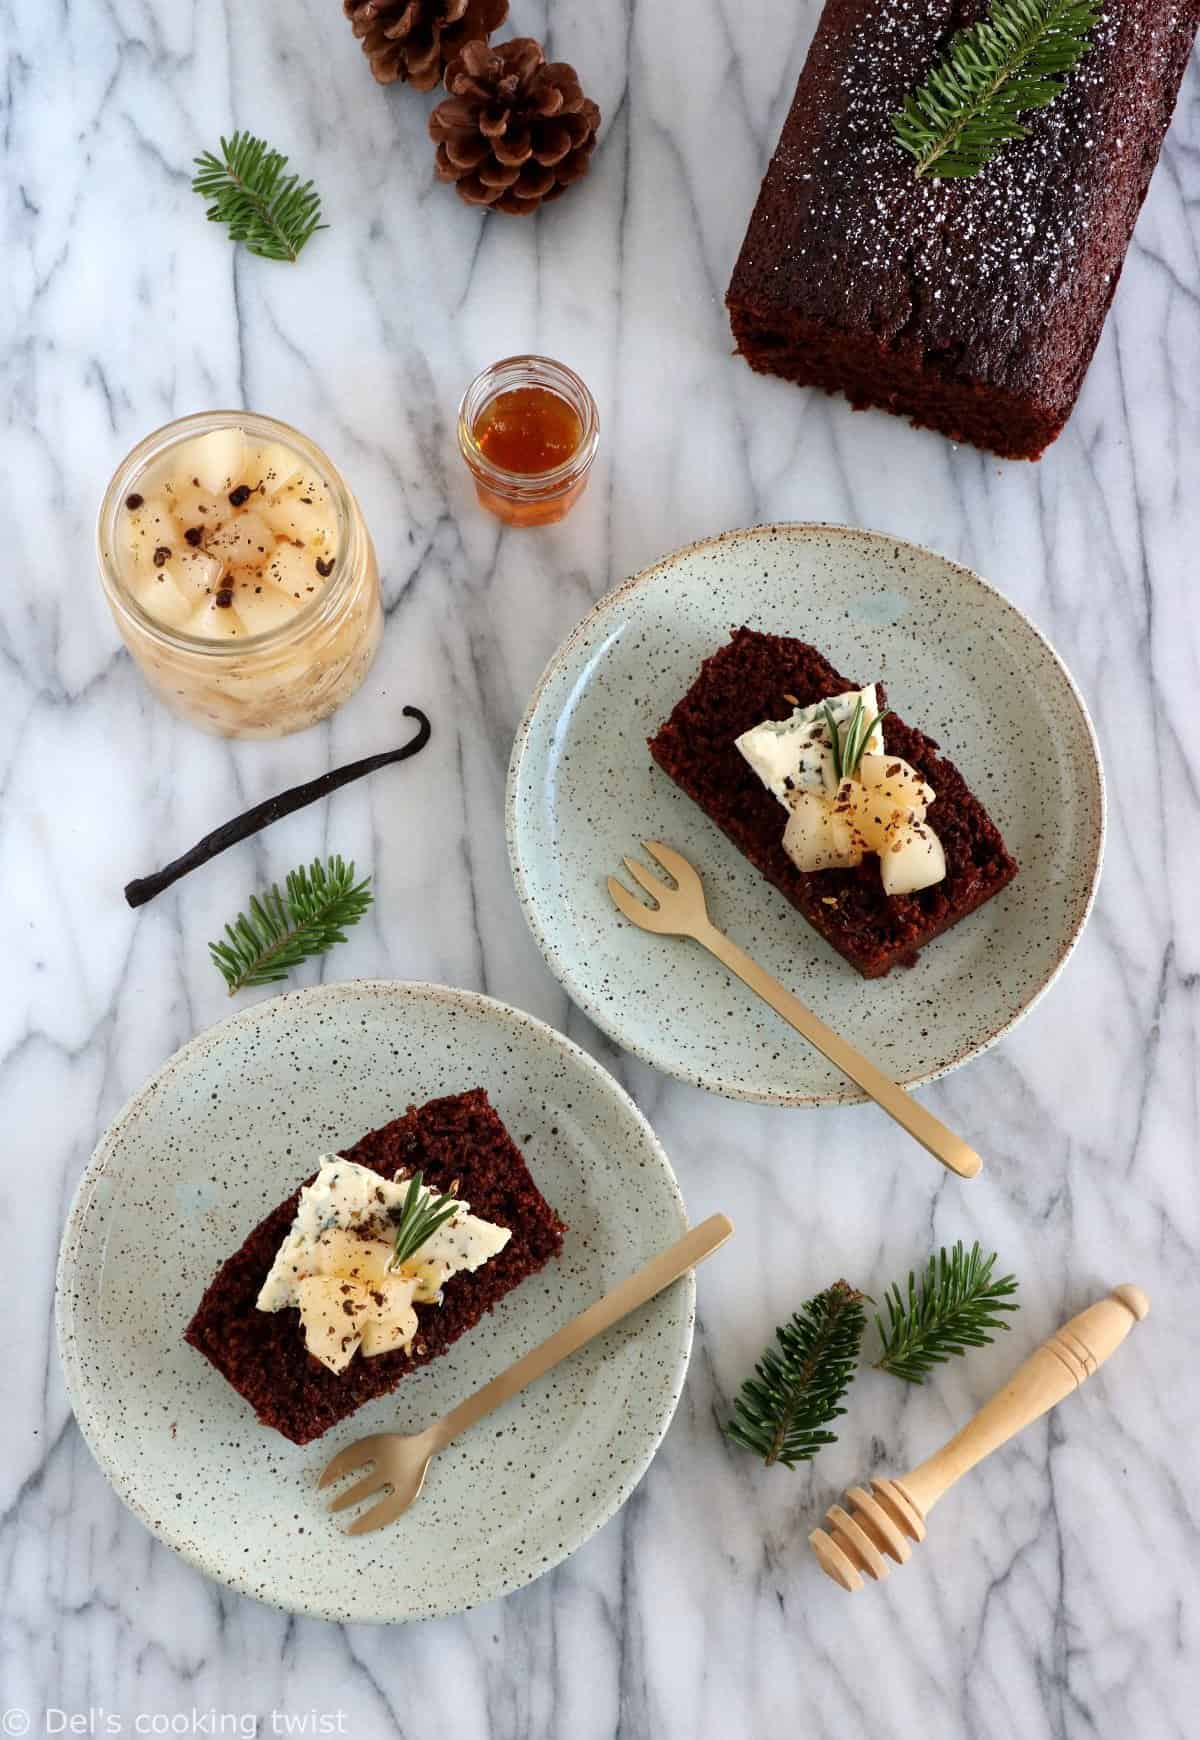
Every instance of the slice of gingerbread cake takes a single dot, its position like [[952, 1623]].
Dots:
[[391, 1252], [855, 816]]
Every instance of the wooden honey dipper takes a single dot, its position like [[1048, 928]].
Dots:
[[878, 1525]]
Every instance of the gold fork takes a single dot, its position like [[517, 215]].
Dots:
[[399, 1462], [681, 911]]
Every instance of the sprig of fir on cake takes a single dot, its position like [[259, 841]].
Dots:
[[1012, 62]]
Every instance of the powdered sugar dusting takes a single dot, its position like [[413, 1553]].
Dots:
[[848, 225]]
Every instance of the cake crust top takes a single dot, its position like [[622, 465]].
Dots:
[[1005, 274]]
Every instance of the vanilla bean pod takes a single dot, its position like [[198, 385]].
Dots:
[[144, 888]]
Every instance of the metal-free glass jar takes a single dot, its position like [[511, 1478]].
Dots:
[[240, 573], [528, 429]]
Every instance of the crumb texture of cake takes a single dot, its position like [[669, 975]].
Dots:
[[748, 681], [973, 305], [263, 1354]]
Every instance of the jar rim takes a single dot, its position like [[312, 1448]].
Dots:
[[528, 370], [252, 423]]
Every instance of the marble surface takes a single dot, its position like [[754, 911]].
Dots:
[[1056, 1595]]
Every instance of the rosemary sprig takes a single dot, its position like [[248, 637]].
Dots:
[[273, 213], [421, 1215], [1016, 59], [848, 755], [782, 1411], [281, 930], [955, 1305]]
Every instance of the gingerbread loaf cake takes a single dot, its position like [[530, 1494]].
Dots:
[[972, 305], [263, 1355], [746, 682]]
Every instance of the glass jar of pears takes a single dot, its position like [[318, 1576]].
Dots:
[[240, 573]]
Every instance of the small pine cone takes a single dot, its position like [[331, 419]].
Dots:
[[414, 40], [516, 129]]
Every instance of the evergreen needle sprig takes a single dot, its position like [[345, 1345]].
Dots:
[[273, 213], [281, 930], [955, 1305], [782, 1411], [1016, 59], [421, 1214]]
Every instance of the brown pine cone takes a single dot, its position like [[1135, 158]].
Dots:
[[516, 129], [414, 40]]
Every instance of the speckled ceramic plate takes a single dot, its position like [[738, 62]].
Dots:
[[960, 662], [225, 1130]]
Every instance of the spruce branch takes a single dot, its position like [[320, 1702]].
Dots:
[[282, 930], [273, 213], [955, 1305], [782, 1411], [1016, 59]]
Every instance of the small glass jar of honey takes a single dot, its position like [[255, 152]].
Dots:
[[528, 429]]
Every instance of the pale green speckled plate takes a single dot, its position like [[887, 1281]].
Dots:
[[960, 662], [230, 1126]]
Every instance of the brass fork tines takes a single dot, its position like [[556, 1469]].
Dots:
[[678, 908]]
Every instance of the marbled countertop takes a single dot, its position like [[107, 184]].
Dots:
[[1057, 1596]]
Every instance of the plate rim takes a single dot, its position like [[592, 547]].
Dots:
[[210, 1565], [845, 1094]]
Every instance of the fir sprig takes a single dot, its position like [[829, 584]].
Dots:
[[281, 930], [782, 1411], [273, 213], [1016, 59], [954, 1305], [421, 1214]]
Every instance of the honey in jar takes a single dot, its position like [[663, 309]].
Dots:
[[528, 430]]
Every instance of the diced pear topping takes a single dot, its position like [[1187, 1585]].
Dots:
[[261, 605], [339, 1313], [150, 527], [301, 518], [224, 516], [389, 1320], [913, 858], [194, 505], [218, 459], [161, 598], [245, 537], [352, 1296], [339, 1251], [882, 809], [217, 621], [294, 571], [272, 467], [196, 574], [331, 1311], [817, 837], [896, 783]]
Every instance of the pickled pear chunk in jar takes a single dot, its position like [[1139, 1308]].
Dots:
[[240, 574]]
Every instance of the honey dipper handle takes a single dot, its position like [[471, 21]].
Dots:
[[1058, 1366]]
